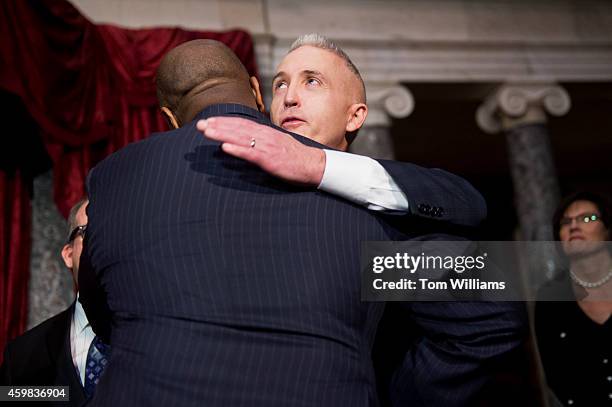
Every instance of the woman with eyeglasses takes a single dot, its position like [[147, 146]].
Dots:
[[575, 336]]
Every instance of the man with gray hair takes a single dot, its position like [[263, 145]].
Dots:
[[319, 41], [319, 93]]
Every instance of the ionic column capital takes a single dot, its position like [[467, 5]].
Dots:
[[386, 100], [514, 104]]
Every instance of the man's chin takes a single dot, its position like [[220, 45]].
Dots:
[[305, 131], [296, 127]]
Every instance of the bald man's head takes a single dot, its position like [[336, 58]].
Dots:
[[200, 73]]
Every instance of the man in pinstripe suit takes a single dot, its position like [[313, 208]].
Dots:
[[315, 89], [224, 285]]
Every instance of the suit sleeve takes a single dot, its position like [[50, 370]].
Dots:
[[437, 195], [450, 360], [91, 292]]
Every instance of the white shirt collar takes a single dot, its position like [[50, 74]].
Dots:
[[80, 319]]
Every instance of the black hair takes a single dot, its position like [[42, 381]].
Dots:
[[601, 201]]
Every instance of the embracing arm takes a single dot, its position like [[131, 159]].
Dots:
[[437, 194], [388, 186], [398, 187], [450, 362]]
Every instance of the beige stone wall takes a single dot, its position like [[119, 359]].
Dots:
[[406, 41], [413, 20]]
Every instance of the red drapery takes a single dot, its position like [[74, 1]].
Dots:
[[15, 218], [90, 89]]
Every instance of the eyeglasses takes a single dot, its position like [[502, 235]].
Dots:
[[78, 231], [583, 217]]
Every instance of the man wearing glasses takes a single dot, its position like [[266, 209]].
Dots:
[[63, 350]]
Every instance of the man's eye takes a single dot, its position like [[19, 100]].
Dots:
[[280, 85], [313, 81]]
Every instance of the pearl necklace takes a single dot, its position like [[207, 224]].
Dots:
[[587, 284]]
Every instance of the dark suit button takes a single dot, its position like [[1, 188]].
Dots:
[[421, 208], [441, 212]]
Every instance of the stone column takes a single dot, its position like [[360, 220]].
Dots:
[[520, 112], [384, 102], [50, 288]]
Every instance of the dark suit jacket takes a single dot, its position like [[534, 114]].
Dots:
[[437, 196], [226, 286], [42, 357]]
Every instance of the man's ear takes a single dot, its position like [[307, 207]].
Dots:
[[170, 117], [257, 93], [357, 115], [67, 255]]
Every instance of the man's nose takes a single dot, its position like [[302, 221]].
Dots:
[[291, 97]]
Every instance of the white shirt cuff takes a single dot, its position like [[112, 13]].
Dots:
[[363, 181]]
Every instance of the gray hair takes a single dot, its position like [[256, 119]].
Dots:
[[320, 41]]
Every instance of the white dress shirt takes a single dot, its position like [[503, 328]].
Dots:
[[81, 336], [362, 180]]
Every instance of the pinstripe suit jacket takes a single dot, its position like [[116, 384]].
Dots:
[[226, 287]]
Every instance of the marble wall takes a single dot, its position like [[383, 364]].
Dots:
[[416, 20], [50, 289]]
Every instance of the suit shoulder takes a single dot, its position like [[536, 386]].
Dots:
[[137, 146], [155, 143], [59, 322]]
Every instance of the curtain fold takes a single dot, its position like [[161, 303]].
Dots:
[[90, 90], [15, 248]]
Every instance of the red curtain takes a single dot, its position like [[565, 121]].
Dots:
[[90, 89], [15, 254]]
